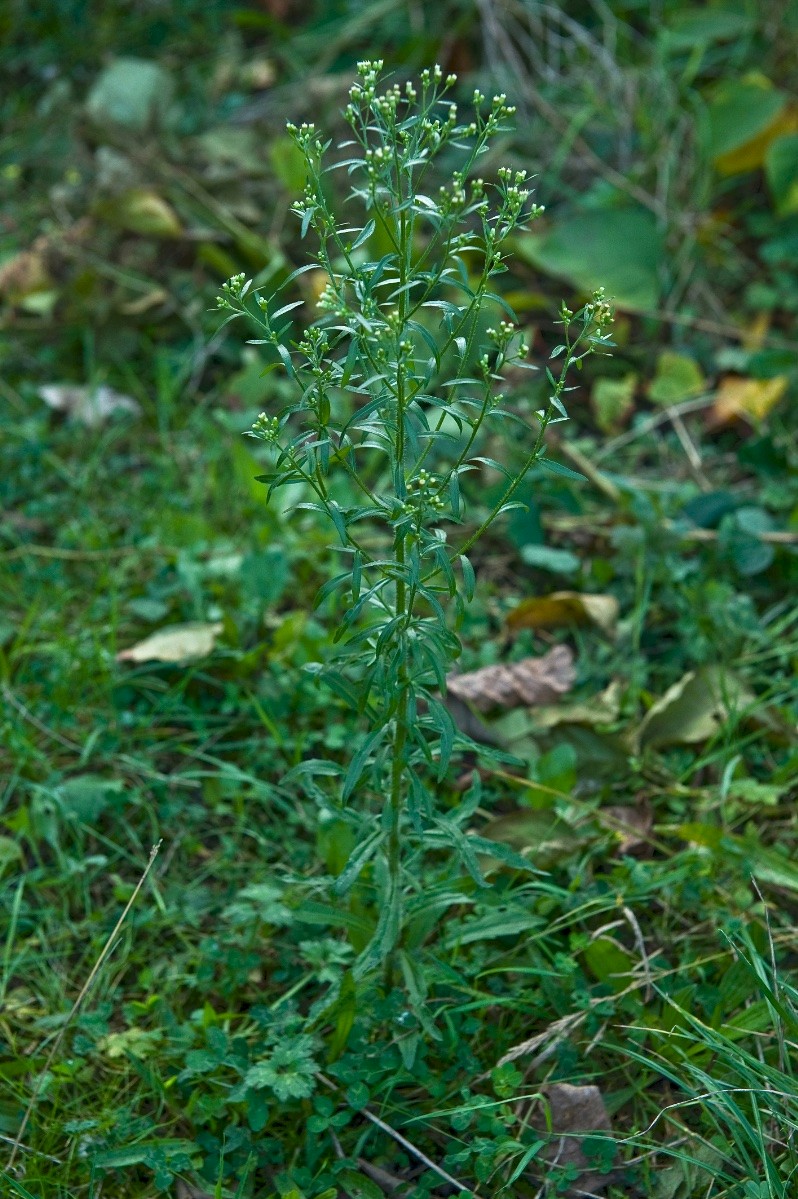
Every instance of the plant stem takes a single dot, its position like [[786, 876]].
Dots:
[[395, 836]]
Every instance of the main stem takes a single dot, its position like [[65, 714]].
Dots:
[[400, 719]]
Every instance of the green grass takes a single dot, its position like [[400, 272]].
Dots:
[[660, 968]]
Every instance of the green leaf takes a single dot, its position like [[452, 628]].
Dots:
[[16, 1187], [357, 1186], [781, 170], [289, 1072], [694, 27], [343, 1011], [364, 234], [469, 578], [608, 962], [356, 863], [143, 211], [678, 378], [613, 400], [360, 759], [557, 468], [741, 112], [620, 249]]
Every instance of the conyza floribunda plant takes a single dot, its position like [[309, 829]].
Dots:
[[396, 386]]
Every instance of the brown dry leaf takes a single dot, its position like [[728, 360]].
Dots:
[[511, 684], [29, 278], [746, 399], [89, 405], [186, 1191], [564, 608], [177, 643], [576, 1110], [24, 275], [150, 299], [632, 825]]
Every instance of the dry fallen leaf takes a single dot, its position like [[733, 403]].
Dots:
[[177, 643], [564, 608], [693, 710], [574, 1110], [633, 825], [510, 684], [142, 210], [603, 708], [89, 405], [746, 399], [24, 275]]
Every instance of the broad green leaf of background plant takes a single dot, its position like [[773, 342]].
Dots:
[[613, 400], [620, 249], [702, 26], [781, 170], [678, 378], [745, 115]]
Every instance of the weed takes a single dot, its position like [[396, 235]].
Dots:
[[393, 388]]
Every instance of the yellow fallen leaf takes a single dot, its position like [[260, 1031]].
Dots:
[[177, 643], [564, 608], [746, 399]]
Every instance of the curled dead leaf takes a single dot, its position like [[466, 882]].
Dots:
[[510, 684], [565, 608], [177, 643]]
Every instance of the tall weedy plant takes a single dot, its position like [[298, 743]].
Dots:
[[396, 386]]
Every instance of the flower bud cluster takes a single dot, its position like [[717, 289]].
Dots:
[[598, 309], [314, 344], [233, 291], [265, 428], [305, 137], [330, 301], [423, 493]]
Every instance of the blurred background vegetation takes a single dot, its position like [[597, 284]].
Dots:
[[143, 160]]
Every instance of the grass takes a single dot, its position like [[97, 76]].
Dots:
[[652, 957]]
